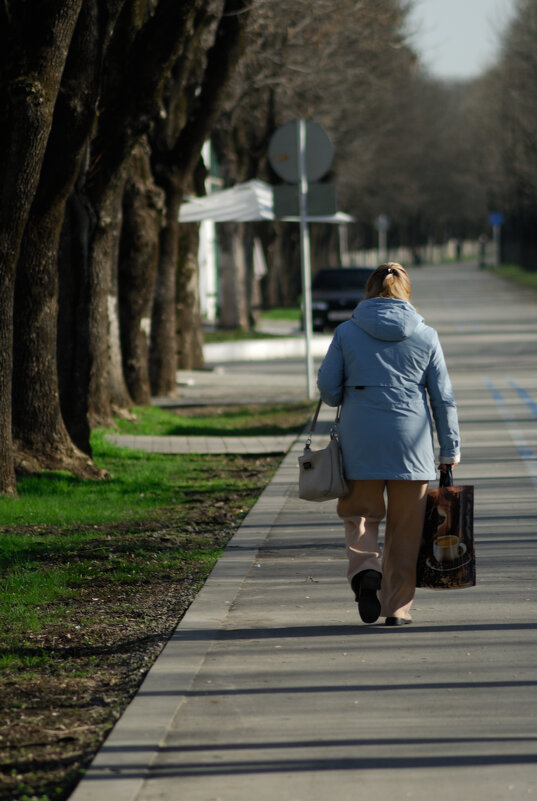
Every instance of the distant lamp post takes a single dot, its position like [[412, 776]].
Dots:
[[382, 224]]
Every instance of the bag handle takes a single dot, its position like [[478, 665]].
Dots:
[[446, 479], [314, 422], [314, 418]]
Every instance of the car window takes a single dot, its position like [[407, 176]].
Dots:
[[341, 279]]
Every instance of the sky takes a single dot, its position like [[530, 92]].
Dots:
[[458, 38]]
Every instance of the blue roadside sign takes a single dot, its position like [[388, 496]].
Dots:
[[496, 218]]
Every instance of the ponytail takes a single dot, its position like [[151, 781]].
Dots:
[[390, 280]]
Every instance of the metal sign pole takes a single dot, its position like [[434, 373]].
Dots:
[[496, 219], [496, 229], [299, 161], [305, 254]]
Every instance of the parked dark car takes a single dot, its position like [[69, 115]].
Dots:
[[335, 291]]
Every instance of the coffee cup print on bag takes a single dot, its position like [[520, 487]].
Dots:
[[446, 548]]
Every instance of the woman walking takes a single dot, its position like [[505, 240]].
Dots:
[[382, 367]]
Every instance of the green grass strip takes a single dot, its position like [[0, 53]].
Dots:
[[271, 420], [140, 483], [159, 518], [517, 275], [235, 335], [291, 314]]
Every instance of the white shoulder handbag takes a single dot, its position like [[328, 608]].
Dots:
[[321, 476]]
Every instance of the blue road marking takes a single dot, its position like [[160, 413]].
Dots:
[[528, 456], [526, 397]]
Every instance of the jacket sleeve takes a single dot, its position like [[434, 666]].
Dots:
[[443, 406], [330, 378]]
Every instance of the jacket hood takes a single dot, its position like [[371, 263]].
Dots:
[[388, 319]]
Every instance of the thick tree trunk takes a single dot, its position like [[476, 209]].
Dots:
[[40, 435], [189, 324], [120, 398], [73, 318], [7, 469], [32, 71], [107, 389], [283, 282], [38, 427], [324, 246], [233, 278], [163, 354], [143, 203], [98, 22]]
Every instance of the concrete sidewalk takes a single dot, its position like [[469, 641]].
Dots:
[[173, 444], [271, 687], [222, 386]]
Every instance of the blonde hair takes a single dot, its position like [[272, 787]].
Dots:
[[390, 280]]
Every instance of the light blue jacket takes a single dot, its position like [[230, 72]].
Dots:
[[382, 366]]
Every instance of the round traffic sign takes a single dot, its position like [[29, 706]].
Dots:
[[283, 152]]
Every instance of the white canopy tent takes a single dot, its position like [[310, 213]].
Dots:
[[242, 203], [245, 202], [249, 202]]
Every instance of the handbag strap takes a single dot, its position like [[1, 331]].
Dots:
[[315, 416], [446, 478], [314, 421]]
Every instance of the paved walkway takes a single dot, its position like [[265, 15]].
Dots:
[[222, 386], [272, 689], [244, 445]]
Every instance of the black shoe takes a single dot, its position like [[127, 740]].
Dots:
[[365, 585], [397, 621]]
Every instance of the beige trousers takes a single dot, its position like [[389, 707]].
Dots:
[[362, 511]]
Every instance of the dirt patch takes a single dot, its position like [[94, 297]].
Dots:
[[74, 678]]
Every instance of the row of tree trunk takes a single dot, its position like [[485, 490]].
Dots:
[[105, 107]]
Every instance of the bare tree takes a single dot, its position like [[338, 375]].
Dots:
[[176, 152], [340, 63], [516, 131], [141, 54]]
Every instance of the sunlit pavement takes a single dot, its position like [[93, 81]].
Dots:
[[272, 689]]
